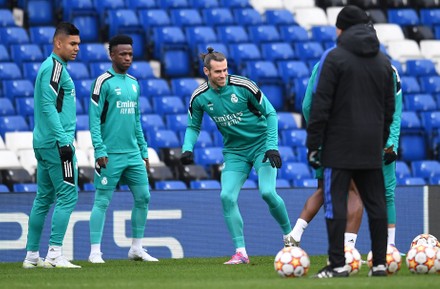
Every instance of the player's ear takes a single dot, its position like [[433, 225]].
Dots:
[[206, 70]]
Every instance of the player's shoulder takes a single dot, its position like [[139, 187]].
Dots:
[[243, 82], [202, 88]]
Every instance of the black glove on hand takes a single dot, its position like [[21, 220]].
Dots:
[[66, 156], [274, 158], [187, 158], [314, 158], [389, 157]]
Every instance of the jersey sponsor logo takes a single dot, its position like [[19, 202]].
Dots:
[[234, 98], [126, 107], [210, 106], [228, 119]]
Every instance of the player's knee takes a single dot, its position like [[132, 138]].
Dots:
[[142, 201], [227, 200], [268, 195]]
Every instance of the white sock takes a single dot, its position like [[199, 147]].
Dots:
[[54, 252], [350, 239], [299, 229], [32, 255], [136, 243], [391, 236], [95, 248], [241, 250]]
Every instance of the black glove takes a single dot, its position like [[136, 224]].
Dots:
[[274, 158], [389, 157], [66, 157], [314, 158], [187, 158]]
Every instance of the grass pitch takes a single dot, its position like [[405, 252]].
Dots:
[[206, 273]]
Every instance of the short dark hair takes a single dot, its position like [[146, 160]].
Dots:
[[211, 55], [65, 28], [119, 39]]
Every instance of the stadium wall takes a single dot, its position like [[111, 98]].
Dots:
[[190, 224]]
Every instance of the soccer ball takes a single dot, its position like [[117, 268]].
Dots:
[[437, 261], [421, 259], [353, 260], [393, 258], [425, 239], [292, 262]]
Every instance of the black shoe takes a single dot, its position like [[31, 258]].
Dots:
[[378, 271], [329, 272]]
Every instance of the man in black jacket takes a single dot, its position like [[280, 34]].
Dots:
[[352, 109]]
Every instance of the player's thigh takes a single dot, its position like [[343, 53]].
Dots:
[[236, 163], [135, 174], [107, 178], [46, 190]]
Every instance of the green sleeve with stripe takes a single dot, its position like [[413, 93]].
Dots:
[[95, 112], [394, 136], [307, 101]]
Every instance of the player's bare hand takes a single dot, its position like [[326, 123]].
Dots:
[[147, 163], [102, 162]]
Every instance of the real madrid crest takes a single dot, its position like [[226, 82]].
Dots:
[[234, 98]]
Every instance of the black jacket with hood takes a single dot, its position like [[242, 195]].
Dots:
[[353, 102]]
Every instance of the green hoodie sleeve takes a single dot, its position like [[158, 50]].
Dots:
[[48, 107], [195, 116], [97, 100], [307, 101], [143, 146], [394, 136]]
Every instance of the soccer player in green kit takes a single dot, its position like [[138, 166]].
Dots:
[[249, 126], [120, 148], [53, 136]]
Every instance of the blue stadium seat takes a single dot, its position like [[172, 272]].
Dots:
[[294, 170], [98, 68], [217, 138], [89, 187], [4, 189], [287, 154], [208, 156], [412, 147], [305, 183], [172, 4], [26, 53], [208, 124], [12, 123], [309, 50], [247, 16], [25, 106], [88, 27], [13, 35], [152, 122], [430, 122], [186, 17], [425, 169], [176, 122], [398, 65], [292, 69], [141, 4], [205, 185], [420, 67], [430, 84], [102, 6], [168, 105], [139, 45], [25, 188], [410, 122], [176, 63], [286, 121], [40, 12], [249, 184], [162, 138], [277, 51], [6, 18], [73, 9], [202, 4], [324, 33], [293, 137], [78, 70], [235, 3], [301, 153], [430, 17], [435, 180], [275, 93], [264, 33], [410, 84], [279, 17], [232, 34], [299, 90], [294, 33], [150, 18], [218, 16], [240, 52], [170, 185], [82, 122], [6, 107], [93, 52], [282, 184], [79, 109], [166, 38], [402, 170], [30, 70], [420, 102], [41, 34], [82, 89], [403, 16], [141, 69], [199, 35], [4, 54], [411, 181], [122, 21], [144, 105], [184, 86], [155, 87], [18, 88], [203, 141], [262, 71]]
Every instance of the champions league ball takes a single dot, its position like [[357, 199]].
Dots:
[[291, 262]]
